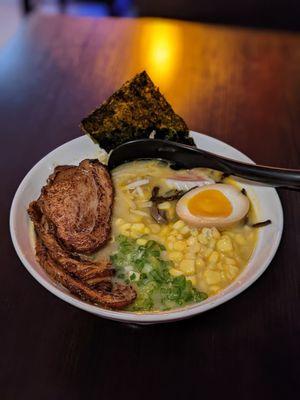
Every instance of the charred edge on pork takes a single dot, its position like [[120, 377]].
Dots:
[[57, 250]]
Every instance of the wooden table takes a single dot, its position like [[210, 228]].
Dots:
[[238, 85]]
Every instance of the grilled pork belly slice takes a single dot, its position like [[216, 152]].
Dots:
[[74, 264], [107, 294], [59, 215], [78, 201]]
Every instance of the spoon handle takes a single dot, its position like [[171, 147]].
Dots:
[[281, 177], [184, 156]]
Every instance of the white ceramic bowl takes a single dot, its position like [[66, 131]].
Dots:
[[265, 200]]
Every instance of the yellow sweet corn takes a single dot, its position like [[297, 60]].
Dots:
[[215, 233], [141, 241], [232, 271], [191, 240], [200, 263], [155, 228], [214, 257], [138, 227], [164, 231], [224, 244], [166, 205], [194, 248], [178, 225], [202, 239], [207, 252], [175, 272], [212, 277], [180, 245], [175, 256], [185, 230], [193, 279], [214, 289], [187, 266]]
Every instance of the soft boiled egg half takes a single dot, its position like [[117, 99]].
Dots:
[[219, 205]]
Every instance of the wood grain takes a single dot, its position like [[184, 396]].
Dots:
[[238, 85]]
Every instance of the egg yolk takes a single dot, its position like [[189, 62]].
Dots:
[[210, 203]]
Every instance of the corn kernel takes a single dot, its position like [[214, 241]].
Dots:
[[191, 240], [194, 248], [141, 242], [126, 226], [178, 225], [171, 213], [175, 272], [202, 239], [200, 263], [154, 228], [156, 238], [138, 227], [179, 236], [124, 229], [211, 266], [187, 266], [219, 266], [175, 256], [185, 230], [214, 257], [131, 234], [207, 253], [207, 232], [224, 244], [212, 277], [215, 289], [193, 279], [164, 230], [223, 276], [166, 205], [201, 284], [147, 231], [180, 245], [215, 233], [232, 271], [230, 261], [212, 243]]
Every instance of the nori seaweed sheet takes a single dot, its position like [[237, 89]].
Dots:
[[133, 112]]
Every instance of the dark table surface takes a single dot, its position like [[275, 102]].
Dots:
[[238, 85]]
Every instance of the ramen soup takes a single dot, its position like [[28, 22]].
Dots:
[[178, 236]]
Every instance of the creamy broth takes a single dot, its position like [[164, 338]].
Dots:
[[211, 259]]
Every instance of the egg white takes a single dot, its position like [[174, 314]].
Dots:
[[239, 202]]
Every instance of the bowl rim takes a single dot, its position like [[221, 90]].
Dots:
[[135, 317]]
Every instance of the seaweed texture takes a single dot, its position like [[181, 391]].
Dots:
[[133, 112]]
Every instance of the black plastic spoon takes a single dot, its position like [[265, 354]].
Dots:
[[183, 156]]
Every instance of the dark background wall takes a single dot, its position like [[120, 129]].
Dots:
[[278, 14], [264, 13]]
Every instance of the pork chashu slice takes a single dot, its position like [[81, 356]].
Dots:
[[90, 281], [59, 256], [78, 201]]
